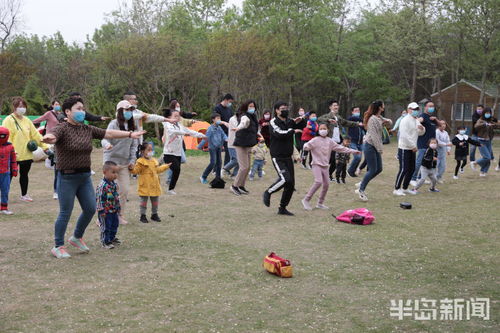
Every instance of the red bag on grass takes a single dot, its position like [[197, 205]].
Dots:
[[361, 216]]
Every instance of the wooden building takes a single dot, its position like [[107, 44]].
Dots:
[[468, 97]]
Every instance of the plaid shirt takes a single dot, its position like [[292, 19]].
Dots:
[[108, 200]]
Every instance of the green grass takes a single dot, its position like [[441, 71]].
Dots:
[[200, 269]]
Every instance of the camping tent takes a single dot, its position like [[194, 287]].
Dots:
[[199, 126]]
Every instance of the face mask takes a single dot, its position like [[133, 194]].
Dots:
[[313, 118], [57, 108], [433, 146], [487, 115], [21, 111], [284, 113], [323, 132], [78, 116], [178, 109], [403, 114], [301, 113], [229, 105], [150, 154], [461, 132], [267, 116], [218, 122], [251, 111], [261, 145], [479, 111], [430, 110], [127, 115], [415, 113], [356, 114]]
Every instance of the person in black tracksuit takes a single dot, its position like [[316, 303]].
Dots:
[[282, 130]]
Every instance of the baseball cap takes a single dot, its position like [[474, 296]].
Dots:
[[413, 106], [123, 104]]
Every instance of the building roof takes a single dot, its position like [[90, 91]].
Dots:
[[490, 89]]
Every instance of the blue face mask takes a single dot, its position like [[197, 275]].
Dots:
[[430, 110], [487, 115], [313, 118], [218, 122], [78, 116], [127, 115], [356, 114], [229, 104], [251, 111], [57, 108], [415, 113], [461, 132]]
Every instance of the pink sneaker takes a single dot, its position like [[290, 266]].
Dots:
[[26, 198]]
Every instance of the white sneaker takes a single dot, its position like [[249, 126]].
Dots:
[[92, 172], [455, 177], [413, 183], [412, 192], [362, 195], [482, 174], [427, 181], [306, 204], [473, 165], [171, 192], [358, 185], [263, 173], [55, 196], [399, 192], [26, 198], [497, 168], [6, 212], [321, 206]]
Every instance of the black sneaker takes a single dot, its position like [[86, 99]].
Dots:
[[108, 246], [353, 175], [243, 190], [155, 218], [266, 198], [235, 190], [332, 180], [284, 211], [343, 181], [143, 219], [116, 241]]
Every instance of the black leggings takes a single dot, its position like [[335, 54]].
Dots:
[[333, 164], [24, 169], [464, 162], [175, 167]]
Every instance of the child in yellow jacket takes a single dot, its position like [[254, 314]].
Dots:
[[148, 184]]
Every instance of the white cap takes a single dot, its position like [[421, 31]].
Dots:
[[123, 104], [413, 106]]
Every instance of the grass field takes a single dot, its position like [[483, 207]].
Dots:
[[200, 270]]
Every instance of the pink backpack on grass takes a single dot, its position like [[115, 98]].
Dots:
[[361, 216]]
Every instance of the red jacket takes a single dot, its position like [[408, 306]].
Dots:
[[309, 133], [8, 159]]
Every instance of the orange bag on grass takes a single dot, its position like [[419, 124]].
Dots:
[[278, 266]]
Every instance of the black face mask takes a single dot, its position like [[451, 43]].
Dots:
[[284, 113]]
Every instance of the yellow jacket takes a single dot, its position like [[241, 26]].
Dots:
[[22, 133], [148, 184]]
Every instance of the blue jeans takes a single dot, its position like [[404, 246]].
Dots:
[[356, 159], [441, 163], [374, 161], [418, 163], [233, 163], [5, 188], [257, 166], [486, 156], [215, 162], [77, 185], [472, 152], [56, 176]]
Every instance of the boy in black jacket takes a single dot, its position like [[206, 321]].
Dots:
[[428, 167], [461, 142], [282, 130]]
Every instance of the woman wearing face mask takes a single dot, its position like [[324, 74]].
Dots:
[[373, 146], [485, 131], [50, 117], [245, 139], [25, 138], [73, 141], [264, 127], [122, 152]]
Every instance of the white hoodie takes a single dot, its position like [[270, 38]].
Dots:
[[174, 136], [409, 133]]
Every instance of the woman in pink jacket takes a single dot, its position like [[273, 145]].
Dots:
[[321, 148]]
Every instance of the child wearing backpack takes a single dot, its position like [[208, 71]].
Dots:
[[148, 184], [461, 142], [321, 147], [429, 166]]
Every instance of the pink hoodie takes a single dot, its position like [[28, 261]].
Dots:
[[321, 148]]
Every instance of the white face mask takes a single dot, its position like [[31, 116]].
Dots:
[[150, 154], [21, 111], [178, 109], [301, 113], [433, 145], [323, 132], [267, 116]]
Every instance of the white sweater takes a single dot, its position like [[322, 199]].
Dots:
[[174, 135], [409, 133], [443, 139], [233, 123]]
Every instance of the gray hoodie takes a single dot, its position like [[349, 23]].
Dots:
[[123, 150]]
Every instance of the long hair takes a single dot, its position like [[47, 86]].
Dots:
[[372, 110], [121, 121], [487, 110], [244, 108]]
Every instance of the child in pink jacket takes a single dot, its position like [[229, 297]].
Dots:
[[321, 148]]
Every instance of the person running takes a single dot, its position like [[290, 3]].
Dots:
[[282, 148], [485, 132], [409, 131], [245, 140], [461, 142], [444, 148], [26, 139], [122, 152], [356, 134], [73, 141], [373, 146]]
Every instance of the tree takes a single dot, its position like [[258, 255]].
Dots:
[[10, 11]]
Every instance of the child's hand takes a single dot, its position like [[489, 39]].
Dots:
[[435, 158]]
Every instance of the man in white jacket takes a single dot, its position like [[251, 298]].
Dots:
[[409, 131]]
